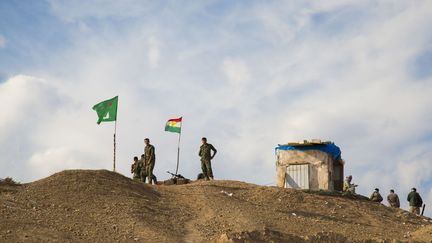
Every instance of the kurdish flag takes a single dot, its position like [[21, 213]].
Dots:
[[106, 110], [174, 125]]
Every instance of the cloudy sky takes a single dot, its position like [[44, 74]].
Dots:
[[246, 74]]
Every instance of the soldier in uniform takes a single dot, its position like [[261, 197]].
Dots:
[[206, 157], [393, 199], [136, 169], [376, 196], [415, 201], [143, 172], [149, 160], [348, 187]]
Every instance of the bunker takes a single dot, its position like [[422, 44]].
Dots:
[[313, 164]]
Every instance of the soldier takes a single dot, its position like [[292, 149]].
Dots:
[[347, 186], [393, 199], [415, 201], [136, 169], [376, 196], [206, 157], [149, 160], [143, 173]]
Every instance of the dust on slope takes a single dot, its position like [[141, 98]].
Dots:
[[102, 206], [257, 213], [82, 205]]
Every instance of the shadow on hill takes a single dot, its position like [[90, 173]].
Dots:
[[103, 206], [337, 194]]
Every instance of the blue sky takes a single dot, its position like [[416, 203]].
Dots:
[[246, 74]]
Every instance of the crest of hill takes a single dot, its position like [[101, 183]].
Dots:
[[102, 206]]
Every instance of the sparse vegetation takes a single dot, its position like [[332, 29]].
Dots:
[[8, 181], [102, 206]]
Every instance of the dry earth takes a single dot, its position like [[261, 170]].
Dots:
[[102, 206]]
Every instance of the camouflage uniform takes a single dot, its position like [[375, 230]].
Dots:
[[348, 188], [376, 197], [149, 162], [415, 202], [143, 172], [205, 154], [393, 200], [136, 169]]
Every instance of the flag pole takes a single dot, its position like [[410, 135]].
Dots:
[[178, 153], [114, 158], [115, 133], [178, 150]]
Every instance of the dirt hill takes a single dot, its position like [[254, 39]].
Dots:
[[102, 206]]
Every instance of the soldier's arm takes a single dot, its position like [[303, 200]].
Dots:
[[214, 151], [134, 167], [151, 154]]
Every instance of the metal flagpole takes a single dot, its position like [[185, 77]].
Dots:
[[115, 133], [178, 148], [114, 159], [178, 153]]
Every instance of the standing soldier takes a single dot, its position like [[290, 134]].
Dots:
[[206, 157], [149, 160], [376, 196], [393, 199], [136, 169], [415, 201]]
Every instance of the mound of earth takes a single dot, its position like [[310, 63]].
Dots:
[[102, 206]]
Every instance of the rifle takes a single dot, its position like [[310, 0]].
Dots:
[[176, 176], [424, 205]]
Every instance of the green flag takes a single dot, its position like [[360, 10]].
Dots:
[[107, 110]]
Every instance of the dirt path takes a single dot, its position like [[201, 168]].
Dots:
[[202, 214]]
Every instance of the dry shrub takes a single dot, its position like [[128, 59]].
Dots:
[[8, 181]]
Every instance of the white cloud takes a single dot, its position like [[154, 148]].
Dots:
[[29, 103], [236, 71], [55, 159], [2, 41], [80, 9], [153, 52], [247, 78], [26, 100]]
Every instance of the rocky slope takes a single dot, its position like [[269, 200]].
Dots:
[[102, 206]]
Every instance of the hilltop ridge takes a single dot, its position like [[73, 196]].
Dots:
[[102, 206]]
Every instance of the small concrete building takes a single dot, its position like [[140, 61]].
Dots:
[[313, 164]]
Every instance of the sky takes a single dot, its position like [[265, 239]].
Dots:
[[248, 75]]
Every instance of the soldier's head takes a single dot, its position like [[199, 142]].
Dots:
[[146, 141], [349, 177], [135, 158], [142, 156], [204, 140], [376, 189], [413, 189], [391, 191]]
